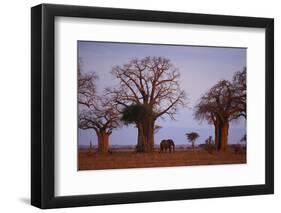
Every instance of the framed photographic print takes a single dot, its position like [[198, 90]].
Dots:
[[139, 106]]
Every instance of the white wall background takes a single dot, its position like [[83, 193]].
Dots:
[[15, 106]]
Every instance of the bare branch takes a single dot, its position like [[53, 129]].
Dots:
[[151, 81]]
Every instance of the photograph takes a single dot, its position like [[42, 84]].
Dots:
[[160, 105]]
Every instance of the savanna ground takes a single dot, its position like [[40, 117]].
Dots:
[[92, 160]]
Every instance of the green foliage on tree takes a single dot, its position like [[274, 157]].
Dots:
[[135, 113]]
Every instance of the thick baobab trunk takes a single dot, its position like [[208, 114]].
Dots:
[[224, 138], [221, 135], [219, 130], [141, 146], [150, 134], [146, 136], [103, 141], [217, 135]]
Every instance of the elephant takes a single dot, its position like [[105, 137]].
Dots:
[[166, 145]]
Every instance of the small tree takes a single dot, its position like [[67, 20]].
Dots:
[[192, 137]]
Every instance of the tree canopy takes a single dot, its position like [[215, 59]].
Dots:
[[151, 81], [192, 136]]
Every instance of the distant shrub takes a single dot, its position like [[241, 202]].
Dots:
[[210, 147]]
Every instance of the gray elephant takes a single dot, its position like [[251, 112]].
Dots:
[[166, 145]]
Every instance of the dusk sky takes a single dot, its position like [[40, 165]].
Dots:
[[200, 68]]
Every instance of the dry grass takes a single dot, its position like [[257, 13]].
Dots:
[[129, 159]]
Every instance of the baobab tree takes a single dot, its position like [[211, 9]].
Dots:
[[215, 106], [95, 112], [151, 83], [221, 104], [102, 118], [192, 137]]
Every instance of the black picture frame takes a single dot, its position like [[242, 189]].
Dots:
[[43, 111]]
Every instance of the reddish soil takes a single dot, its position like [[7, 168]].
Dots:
[[91, 160]]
